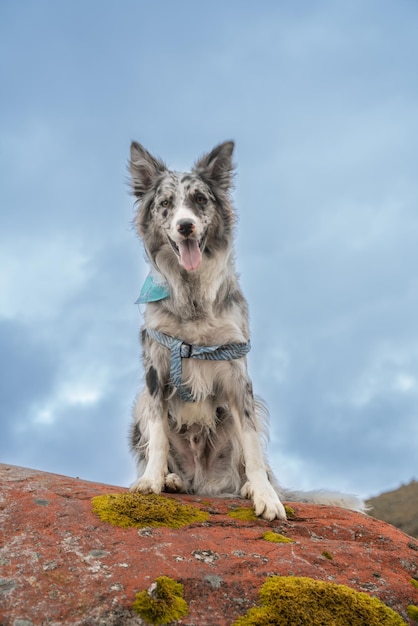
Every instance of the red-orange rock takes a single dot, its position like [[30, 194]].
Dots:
[[60, 564]]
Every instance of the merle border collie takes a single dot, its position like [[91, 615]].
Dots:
[[197, 426]]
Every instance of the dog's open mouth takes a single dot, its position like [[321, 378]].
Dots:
[[189, 252]]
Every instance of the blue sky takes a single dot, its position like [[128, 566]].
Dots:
[[322, 100]]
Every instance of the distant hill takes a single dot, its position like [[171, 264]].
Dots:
[[398, 507]]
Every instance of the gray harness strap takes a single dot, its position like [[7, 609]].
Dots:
[[181, 350]]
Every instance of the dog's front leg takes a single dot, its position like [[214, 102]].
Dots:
[[152, 416], [258, 487]]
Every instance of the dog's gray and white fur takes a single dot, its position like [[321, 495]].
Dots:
[[214, 445]]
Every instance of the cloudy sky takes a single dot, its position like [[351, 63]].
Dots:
[[321, 98]]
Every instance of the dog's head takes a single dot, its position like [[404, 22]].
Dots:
[[190, 212]]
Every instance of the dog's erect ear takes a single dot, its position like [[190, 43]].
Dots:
[[217, 168], [144, 168]]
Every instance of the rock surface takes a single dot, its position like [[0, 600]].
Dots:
[[60, 564]]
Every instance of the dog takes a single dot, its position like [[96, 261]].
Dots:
[[197, 427]]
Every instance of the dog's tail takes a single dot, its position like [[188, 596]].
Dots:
[[322, 496]]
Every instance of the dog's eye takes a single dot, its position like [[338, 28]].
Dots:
[[200, 199], [165, 203]]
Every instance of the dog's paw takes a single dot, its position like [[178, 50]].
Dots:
[[173, 482], [266, 502], [269, 508], [147, 485]]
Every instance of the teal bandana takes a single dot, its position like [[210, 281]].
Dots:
[[154, 288]]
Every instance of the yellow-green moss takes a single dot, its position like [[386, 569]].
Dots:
[[276, 537], [134, 509], [162, 603], [292, 601], [414, 582], [412, 611], [247, 514], [327, 555], [289, 511]]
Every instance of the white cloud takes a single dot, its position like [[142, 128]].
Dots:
[[76, 395], [405, 382], [39, 276], [392, 369]]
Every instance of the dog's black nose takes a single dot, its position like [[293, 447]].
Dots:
[[185, 227]]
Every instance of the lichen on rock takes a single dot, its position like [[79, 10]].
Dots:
[[292, 601], [412, 611], [327, 555], [276, 537], [133, 509], [246, 514], [162, 603]]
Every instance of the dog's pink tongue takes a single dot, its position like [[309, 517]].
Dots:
[[190, 255]]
